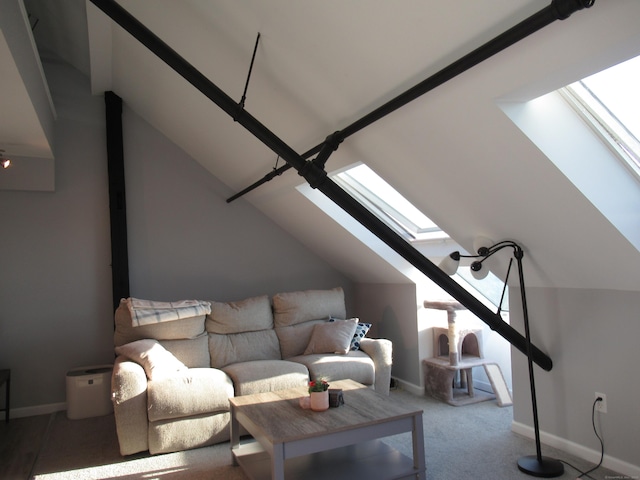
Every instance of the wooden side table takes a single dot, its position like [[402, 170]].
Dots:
[[5, 379]]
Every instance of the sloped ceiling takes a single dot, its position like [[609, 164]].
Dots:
[[26, 110], [322, 65]]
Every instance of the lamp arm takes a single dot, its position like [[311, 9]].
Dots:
[[488, 251]]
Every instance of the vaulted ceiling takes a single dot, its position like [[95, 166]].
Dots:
[[322, 65]]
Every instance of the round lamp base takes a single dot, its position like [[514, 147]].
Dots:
[[546, 467]]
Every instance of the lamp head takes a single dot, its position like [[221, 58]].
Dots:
[[450, 263], [477, 271], [482, 245]]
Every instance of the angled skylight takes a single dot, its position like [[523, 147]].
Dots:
[[392, 208], [386, 203], [589, 130], [610, 101]]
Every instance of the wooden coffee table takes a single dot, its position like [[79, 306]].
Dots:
[[339, 443]]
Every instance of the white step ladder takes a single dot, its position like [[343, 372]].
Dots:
[[498, 384]]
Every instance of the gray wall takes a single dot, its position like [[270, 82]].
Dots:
[[391, 308], [55, 290], [592, 337], [184, 240]]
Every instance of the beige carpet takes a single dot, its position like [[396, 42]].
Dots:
[[470, 442], [88, 449], [204, 463]]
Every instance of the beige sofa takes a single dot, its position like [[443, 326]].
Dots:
[[172, 380]]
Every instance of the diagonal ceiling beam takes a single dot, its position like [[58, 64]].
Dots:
[[314, 172], [557, 10]]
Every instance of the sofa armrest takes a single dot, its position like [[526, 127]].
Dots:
[[129, 396], [380, 350]]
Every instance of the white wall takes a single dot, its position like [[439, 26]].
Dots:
[[184, 240], [592, 337]]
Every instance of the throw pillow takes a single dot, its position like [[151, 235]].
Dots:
[[361, 331], [153, 357], [332, 337]]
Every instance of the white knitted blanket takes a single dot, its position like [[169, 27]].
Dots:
[[146, 312]]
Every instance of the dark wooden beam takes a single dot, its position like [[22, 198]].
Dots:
[[117, 199]]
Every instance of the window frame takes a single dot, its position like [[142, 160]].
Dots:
[[382, 209], [604, 123]]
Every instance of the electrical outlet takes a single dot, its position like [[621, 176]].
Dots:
[[601, 406]]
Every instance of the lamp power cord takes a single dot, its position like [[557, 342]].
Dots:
[[595, 430]]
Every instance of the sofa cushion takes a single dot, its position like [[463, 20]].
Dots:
[[355, 365], [193, 352], [266, 376], [295, 338], [192, 392], [174, 435], [296, 307], [125, 332], [248, 315], [332, 337], [243, 347], [361, 331], [154, 358]]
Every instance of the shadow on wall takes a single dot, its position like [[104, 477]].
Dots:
[[405, 347]]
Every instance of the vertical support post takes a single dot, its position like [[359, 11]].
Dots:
[[117, 199]]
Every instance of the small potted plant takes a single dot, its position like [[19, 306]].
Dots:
[[319, 394]]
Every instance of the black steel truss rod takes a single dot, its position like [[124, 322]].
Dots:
[[276, 172], [246, 85], [557, 10], [317, 178]]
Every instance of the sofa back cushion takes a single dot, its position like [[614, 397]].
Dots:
[[292, 308], [125, 332], [243, 347], [241, 331], [248, 315], [297, 313], [193, 352]]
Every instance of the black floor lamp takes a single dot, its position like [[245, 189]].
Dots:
[[535, 465]]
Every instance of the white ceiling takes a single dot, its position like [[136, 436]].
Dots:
[[322, 65]]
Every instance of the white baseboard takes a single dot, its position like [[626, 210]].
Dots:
[[410, 387], [37, 410], [588, 454]]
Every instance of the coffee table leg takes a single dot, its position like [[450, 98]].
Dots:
[[418, 447], [277, 462], [235, 435]]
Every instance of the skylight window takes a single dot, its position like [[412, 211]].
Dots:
[[399, 214], [386, 203], [610, 101]]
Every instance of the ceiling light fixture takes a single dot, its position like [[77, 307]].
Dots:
[[4, 161], [535, 465]]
